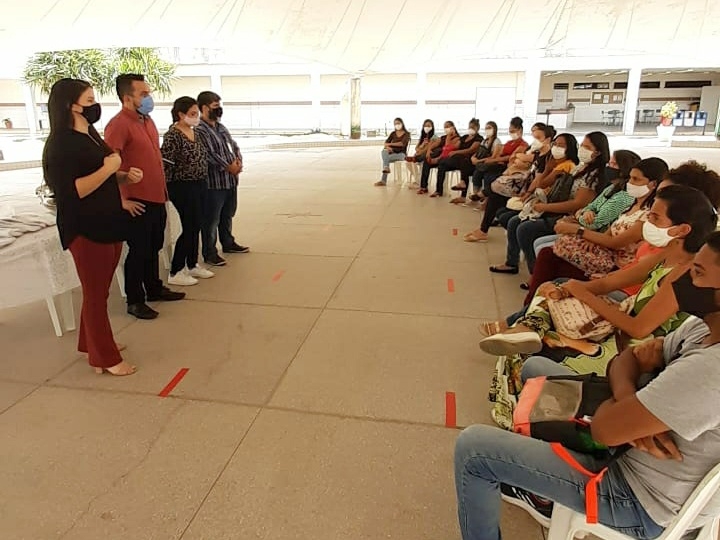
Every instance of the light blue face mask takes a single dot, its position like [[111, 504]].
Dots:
[[146, 105]]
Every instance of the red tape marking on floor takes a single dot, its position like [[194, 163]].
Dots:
[[450, 410], [165, 392], [277, 276], [455, 232], [451, 285]]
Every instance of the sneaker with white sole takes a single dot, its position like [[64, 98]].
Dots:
[[200, 272], [540, 509], [512, 343], [182, 279]]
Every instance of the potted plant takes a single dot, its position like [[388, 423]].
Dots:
[[8, 123], [665, 130]]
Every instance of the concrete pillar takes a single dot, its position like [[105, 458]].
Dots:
[[632, 96], [531, 96], [315, 90], [355, 108], [31, 109], [421, 112]]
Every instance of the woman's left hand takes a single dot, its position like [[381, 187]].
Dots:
[[574, 288], [134, 175], [563, 227]]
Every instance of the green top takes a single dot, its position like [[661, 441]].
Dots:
[[607, 208]]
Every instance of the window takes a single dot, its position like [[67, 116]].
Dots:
[[646, 84], [561, 86], [591, 86], [687, 84]]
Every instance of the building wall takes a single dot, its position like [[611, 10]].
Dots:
[[12, 103], [650, 98]]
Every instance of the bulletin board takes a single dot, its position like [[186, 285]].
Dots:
[[608, 98]]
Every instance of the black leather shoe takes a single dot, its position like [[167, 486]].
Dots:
[[142, 311], [166, 295], [235, 248]]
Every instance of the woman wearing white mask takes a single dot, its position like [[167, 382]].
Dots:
[[186, 171], [395, 149], [427, 137]]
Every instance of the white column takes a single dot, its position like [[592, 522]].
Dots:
[[421, 112], [315, 89], [355, 108], [216, 83], [531, 95], [30, 109], [632, 96]]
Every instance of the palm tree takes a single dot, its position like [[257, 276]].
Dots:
[[99, 67]]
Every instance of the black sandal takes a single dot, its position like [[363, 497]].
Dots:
[[511, 270]]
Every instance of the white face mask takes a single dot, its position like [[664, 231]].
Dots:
[[585, 155], [637, 192], [514, 136], [191, 121], [471, 132], [398, 127], [489, 133], [656, 236], [448, 131], [427, 129], [536, 145], [557, 152]]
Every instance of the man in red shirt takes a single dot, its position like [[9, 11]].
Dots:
[[133, 134]]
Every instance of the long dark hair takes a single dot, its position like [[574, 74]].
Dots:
[[626, 160], [427, 136], [595, 170], [401, 121], [655, 170], [571, 152], [492, 139], [691, 206], [63, 95], [182, 105]]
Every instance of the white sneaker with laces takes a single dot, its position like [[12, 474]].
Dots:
[[182, 279], [201, 272]]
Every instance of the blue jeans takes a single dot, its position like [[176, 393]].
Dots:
[[486, 456], [220, 208], [520, 236], [387, 159], [544, 241], [539, 366]]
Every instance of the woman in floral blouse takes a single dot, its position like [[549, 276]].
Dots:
[[186, 171]]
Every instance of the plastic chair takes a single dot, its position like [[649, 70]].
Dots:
[[398, 171], [567, 524], [453, 179], [65, 319]]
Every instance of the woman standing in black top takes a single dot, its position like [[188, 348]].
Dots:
[[186, 172], [91, 217]]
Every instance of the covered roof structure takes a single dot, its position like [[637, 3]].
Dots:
[[366, 36]]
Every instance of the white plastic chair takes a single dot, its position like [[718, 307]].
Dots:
[[65, 319], [398, 172], [567, 524], [453, 179]]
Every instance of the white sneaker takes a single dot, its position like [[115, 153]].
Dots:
[[201, 272], [182, 279]]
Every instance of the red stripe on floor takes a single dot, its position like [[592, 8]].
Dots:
[[277, 276], [451, 285], [455, 232], [450, 410], [165, 392]]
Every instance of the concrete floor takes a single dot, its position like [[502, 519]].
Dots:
[[315, 402]]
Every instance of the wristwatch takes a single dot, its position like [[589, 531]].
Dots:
[[580, 232]]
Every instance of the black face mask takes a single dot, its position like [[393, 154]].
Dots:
[[92, 113], [216, 114], [698, 301], [611, 174]]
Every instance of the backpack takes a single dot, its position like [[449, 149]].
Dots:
[[559, 410]]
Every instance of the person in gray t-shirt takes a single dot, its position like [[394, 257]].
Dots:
[[671, 422]]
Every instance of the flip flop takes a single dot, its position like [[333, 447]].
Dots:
[[497, 270], [509, 344], [488, 329], [470, 237]]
